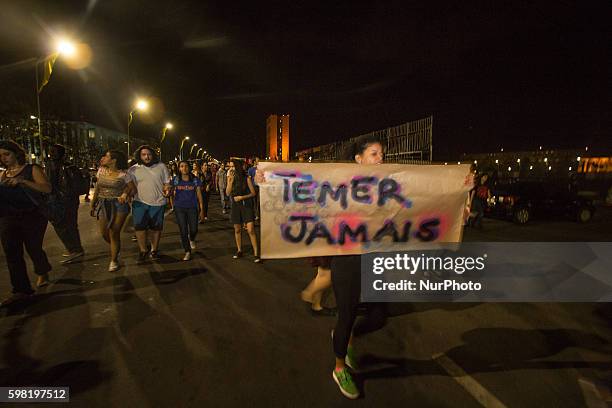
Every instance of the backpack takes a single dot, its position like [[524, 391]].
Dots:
[[79, 180]]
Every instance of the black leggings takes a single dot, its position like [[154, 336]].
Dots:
[[17, 232], [346, 281]]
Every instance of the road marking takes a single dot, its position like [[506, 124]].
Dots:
[[473, 387]]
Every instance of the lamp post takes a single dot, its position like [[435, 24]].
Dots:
[[198, 152], [63, 48], [191, 151], [181, 148], [168, 126], [141, 105]]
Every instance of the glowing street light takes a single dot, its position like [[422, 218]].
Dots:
[[198, 152], [181, 148], [168, 126], [191, 151], [63, 48], [66, 48], [140, 105]]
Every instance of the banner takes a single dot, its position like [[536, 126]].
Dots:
[[321, 209]]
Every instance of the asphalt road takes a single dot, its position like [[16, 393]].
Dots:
[[221, 332]]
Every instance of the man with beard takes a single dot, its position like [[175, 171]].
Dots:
[[152, 181]]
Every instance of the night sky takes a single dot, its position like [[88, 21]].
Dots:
[[494, 74]]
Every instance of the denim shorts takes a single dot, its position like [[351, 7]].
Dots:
[[148, 216]]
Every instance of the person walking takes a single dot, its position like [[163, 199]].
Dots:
[[241, 192], [207, 181], [110, 201], [222, 185], [313, 293], [346, 282], [22, 219], [252, 171], [152, 181], [480, 196], [187, 199], [65, 179]]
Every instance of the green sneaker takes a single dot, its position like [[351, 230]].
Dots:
[[345, 383], [350, 359]]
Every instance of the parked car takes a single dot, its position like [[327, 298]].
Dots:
[[524, 201]]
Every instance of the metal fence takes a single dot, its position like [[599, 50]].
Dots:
[[408, 143]]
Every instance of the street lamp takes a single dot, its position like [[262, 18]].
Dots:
[[168, 126], [65, 48], [141, 105], [181, 148], [198, 152], [191, 151]]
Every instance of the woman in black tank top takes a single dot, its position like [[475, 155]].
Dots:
[[241, 191], [22, 223], [346, 282]]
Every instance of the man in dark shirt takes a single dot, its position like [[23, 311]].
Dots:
[[60, 174]]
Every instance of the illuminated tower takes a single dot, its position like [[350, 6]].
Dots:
[[277, 137]]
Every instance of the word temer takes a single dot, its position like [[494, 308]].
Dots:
[[305, 191]]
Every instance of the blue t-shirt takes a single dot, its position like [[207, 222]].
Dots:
[[251, 172], [185, 192]]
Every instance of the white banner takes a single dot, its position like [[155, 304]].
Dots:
[[321, 209]]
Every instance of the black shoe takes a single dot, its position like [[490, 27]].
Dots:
[[142, 257], [154, 256], [326, 311], [237, 255]]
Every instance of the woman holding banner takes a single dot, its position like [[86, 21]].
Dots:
[[346, 281]]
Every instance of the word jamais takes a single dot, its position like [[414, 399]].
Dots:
[[310, 229]]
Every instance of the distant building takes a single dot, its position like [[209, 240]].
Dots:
[[535, 164], [85, 142], [277, 138], [590, 175]]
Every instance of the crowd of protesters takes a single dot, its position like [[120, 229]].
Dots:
[[140, 190], [148, 189]]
